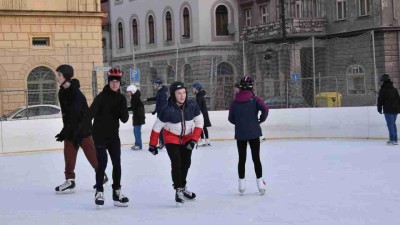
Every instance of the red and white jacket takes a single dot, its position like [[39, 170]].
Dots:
[[181, 124]]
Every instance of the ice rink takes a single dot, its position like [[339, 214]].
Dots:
[[309, 181]]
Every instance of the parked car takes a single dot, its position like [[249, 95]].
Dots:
[[33, 112], [278, 102]]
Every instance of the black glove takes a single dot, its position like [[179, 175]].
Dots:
[[153, 150], [380, 111], [60, 137], [153, 113], [260, 120], [190, 145]]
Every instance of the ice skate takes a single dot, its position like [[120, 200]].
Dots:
[[136, 148], [242, 185], [188, 194], [208, 143], [261, 186], [179, 197], [119, 199], [202, 143], [67, 187], [105, 181], [99, 199]]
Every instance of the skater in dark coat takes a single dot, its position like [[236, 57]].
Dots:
[[201, 102], [138, 116], [389, 104], [243, 113], [182, 122], [161, 100], [73, 107], [107, 109]]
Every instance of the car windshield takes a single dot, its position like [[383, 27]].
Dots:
[[12, 112]]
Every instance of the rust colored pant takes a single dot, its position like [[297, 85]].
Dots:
[[70, 154]]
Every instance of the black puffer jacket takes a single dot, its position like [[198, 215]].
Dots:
[[107, 109], [73, 107], [388, 99], [201, 102], [137, 107]]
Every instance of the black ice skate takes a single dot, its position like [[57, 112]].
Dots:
[[179, 197], [119, 199], [188, 194], [66, 187], [99, 199], [105, 181]]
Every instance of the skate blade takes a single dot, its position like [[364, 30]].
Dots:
[[99, 207], [179, 204], [68, 191], [262, 192], [119, 204]]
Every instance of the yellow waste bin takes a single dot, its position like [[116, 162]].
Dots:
[[329, 99]]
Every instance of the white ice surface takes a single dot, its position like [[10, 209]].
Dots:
[[309, 182]]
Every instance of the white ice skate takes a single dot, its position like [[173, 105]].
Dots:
[[202, 143], [261, 186], [67, 187], [179, 197], [188, 194], [242, 185], [99, 199]]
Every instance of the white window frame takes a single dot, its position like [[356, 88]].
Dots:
[[247, 16], [341, 5], [298, 9], [367, 8], [354, 74], [264, 14]]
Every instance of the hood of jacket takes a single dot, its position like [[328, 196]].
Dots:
[[201, 93], [244, 96]]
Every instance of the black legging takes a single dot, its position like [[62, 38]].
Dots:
[[114, 149], [205, 132], [180, 163], [255, 154]]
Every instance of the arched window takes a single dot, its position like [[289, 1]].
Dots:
[[186, 23], [168, 23], [224, 69], [151, 30], [221, 17], [356, 79], [135, 32], [42, 86], [120, 35]]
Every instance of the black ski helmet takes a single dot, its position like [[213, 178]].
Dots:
[[246, 83], [175, 86], [385, 77]]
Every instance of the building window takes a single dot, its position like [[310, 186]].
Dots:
[[264, 14], [186, 23], [355, 75], [364, 7], [135, 32], [168, 22], [120, 35], [40, 41], [221, 17], [247, 15], [151, 30], [42, 86], [341, 9], [298, 9]]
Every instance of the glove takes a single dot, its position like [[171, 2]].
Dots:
[[260, 120], [380, 111], [190, 145], [60, 137], [153, 150], [153, 113]]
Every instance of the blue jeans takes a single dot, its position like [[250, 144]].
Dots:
[[137, 131], [391, 124]]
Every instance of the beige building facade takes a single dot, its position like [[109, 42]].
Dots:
[[36, 36]]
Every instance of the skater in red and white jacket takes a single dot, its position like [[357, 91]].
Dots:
[[182, 122]]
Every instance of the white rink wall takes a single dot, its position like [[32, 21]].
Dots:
[[348, 122]]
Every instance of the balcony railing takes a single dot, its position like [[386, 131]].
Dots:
[[294, 28]]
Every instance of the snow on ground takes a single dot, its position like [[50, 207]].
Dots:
[[309, 182]]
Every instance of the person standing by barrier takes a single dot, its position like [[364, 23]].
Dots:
[[107, 109], [138, 117], [201, 102], [183, 125], [243, 113], [389, 101], [161, 99], [73, 107]]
